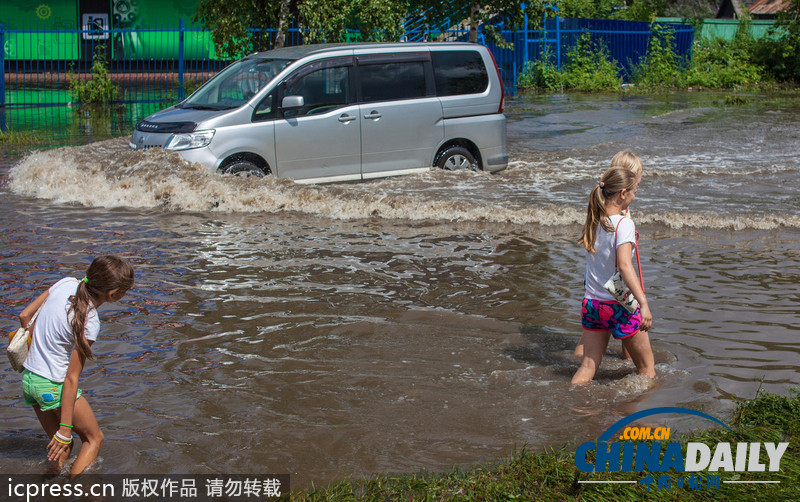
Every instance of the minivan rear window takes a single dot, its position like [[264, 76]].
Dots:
[[459, 72], [388, 81]]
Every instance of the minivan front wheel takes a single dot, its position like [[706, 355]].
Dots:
[[455, 158], [243, 168]]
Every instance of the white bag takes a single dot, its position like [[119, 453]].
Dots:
[[18, 344], [616, 285]]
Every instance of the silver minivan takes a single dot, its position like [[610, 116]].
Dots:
[[341, 112]]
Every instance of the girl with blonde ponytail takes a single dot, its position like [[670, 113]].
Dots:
[[608, 238], [63, 333], [624, 159]]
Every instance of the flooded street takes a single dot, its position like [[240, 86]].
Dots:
[[422, 322]]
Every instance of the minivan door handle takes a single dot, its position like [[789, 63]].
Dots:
[[345, 118], [373, 115]]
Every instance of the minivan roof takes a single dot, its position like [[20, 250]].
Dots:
[[301, 51]]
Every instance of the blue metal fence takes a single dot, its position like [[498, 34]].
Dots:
[[626, 41], [164, 64]]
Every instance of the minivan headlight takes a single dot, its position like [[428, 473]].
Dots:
[[187, 141]]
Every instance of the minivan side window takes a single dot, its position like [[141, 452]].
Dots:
[[264, 110], [389, 81], [322, 90], [459, 72]]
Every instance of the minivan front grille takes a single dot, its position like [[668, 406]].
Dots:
[[165, 127]]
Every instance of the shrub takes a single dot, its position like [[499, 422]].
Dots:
[[780, 57], [541, 74], [780, 54], [97, 90], [591, 67], [720, 63], [659, 67]]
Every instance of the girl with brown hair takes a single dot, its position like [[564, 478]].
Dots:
[[63, 334]]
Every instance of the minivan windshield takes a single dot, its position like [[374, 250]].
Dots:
[[236, 84]]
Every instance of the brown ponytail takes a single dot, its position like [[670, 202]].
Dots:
[[106, 273], [613, 181]]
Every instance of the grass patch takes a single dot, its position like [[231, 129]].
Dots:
[[20, 139], [552, 475]]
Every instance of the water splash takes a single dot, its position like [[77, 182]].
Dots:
[[107, 174]]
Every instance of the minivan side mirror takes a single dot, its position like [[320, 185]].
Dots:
[[290, 102]]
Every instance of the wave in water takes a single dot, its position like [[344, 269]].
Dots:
[[107, 174]]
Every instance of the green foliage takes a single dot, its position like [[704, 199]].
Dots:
[[734, 100], [230, 20], [541, 74], [780, 53], [17, 139], [98, 89], [484, 11], [228, 23], [637, 10], [718, 63], [591, 67], [642, 10], [659, 67], [332, 20], [589, 9], [771, 410], [779, 58]]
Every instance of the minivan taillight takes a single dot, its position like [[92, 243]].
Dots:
[[502, 87]]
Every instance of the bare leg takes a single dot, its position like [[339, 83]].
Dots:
[[594, 346], [88, 430], [642, 355], [579, 348], [49, 421]]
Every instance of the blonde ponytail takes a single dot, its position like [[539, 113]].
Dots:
[[613, 181]]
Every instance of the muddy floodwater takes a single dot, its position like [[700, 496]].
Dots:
[[422, 322]]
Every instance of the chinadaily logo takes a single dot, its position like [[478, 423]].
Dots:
[[666, 464]]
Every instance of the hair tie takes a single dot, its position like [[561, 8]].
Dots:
[[86, 280], [601, 186]]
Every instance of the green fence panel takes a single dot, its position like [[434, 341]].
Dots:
[[41, 45], [723, 28]]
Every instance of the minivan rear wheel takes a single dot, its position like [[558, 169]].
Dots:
[[455, 158], [243, 168]]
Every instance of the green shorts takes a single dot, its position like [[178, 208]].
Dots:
[[38, 390]]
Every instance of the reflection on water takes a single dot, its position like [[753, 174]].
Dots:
[[421, 322]]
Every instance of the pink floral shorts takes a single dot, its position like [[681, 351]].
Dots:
[[597, 315]]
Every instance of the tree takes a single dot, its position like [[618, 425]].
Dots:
[[230, 20], [589, 9], [333, 20], [780, 53], [483, 11]]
